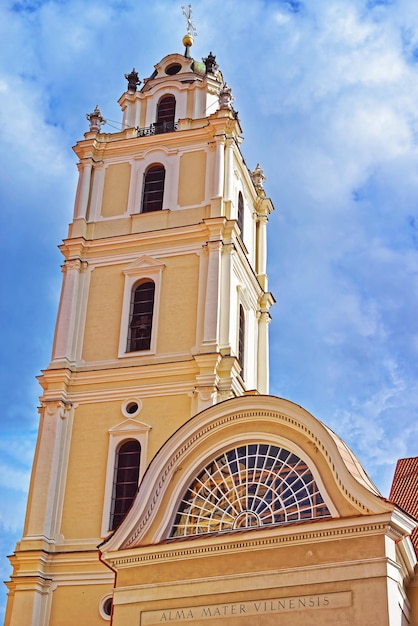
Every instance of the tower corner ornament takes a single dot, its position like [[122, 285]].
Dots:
[[258, 178], [96, 120], [133, 80]]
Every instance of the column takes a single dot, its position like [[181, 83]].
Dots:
[[263, 343], [229, 169], [50, 464], [64, 331], [225, 296], [218, 176], [262, 249], [83, 188], [210, 325]]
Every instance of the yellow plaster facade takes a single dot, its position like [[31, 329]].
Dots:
[[245, 508]]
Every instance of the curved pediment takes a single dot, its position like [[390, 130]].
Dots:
[[261, 446]]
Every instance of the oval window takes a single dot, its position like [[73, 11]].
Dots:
[[172, 69]]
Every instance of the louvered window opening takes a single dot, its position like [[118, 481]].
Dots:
[[141, 314], [240, 216], [166, 111], [250, 486], [153, 193], [125, 482], [241, 339]]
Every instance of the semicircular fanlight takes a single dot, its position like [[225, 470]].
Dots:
[[249, 486]]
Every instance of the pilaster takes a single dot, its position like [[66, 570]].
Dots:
[[49, 471], [63, 351]]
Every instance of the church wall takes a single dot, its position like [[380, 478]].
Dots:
[[192, 178], [85, 485], [176, 318], [66, 611], [83, 503], [344, 590], [177, 325], [116, 189], [101, 335]]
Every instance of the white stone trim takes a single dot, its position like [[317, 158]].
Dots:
[[160, 155], [144, 267], [128, 429]]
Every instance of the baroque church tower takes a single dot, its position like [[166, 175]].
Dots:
[[164, 312], [167, 485]]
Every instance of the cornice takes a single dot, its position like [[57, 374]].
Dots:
[[127, 143], [259, 539], [157, 237], [118, 372], [147, 391]]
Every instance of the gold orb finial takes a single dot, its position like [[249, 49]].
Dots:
[[187, 40]]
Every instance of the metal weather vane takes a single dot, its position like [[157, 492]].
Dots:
[[191, 28]]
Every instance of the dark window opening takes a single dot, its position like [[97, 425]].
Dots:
[[132, 408], [140, 321], [240, 218], [172, 69], [166, 111], [241, 339], [107, 606], [153, 194], [125, 481]]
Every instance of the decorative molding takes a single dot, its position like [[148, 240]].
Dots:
[[250, 543], [202, 433]]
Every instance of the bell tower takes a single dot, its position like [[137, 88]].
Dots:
[[164, 312]]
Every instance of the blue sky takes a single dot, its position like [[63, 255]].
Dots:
[[327, 94]]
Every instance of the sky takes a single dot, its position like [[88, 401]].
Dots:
[[327, 96]]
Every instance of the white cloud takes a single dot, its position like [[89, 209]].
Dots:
[[327, 93]]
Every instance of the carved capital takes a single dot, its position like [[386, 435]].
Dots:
[[58, 408], [214, 246], [205, 393], [86, 163], [74, 264], [263, 317]]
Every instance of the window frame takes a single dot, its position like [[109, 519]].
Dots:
[[127, 475], [242, 343], [129, 429], [134, 314], [166, 125], [240, 214], [146, 191], [143, 269], [203, 468]]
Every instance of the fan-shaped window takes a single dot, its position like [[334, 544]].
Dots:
[[250, 486], [140, 321], [153, 193], [241, 339], [240, 217], [166, 111], [125, 481]]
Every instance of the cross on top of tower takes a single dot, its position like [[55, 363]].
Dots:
[[191, 28]]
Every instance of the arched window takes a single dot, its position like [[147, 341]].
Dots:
[[140, 320], [240, 217], [166, 110], [253, 485], [125, 481], [153, 193], [241, 339]]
